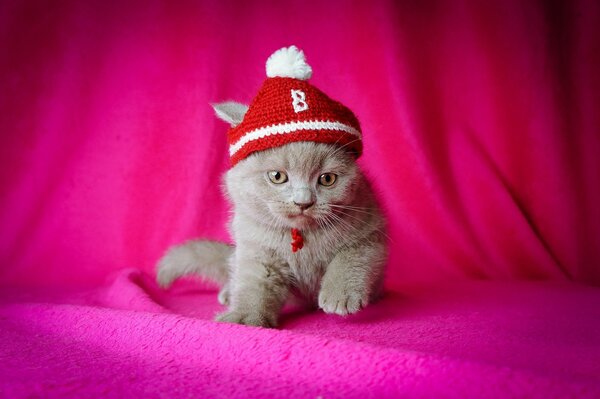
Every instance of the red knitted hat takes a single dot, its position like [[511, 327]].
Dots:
[[289, 109]]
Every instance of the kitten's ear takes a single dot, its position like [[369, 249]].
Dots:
[[231, 112]]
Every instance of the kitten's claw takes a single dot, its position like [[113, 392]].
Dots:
[[248, 319], [341, 303]]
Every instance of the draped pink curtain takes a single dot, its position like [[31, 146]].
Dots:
[[481, 124]]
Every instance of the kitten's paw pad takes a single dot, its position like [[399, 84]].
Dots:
[[248, 319], [341, 303]]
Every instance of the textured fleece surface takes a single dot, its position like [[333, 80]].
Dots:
[[477, 339], [480, 124]]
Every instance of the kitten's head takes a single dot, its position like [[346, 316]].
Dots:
[[299, 185]]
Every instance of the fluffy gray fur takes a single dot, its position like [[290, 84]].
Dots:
[[340, 268]]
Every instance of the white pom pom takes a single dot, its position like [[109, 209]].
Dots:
[[288, 62]]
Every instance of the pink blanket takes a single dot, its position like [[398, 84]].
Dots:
[[478, 339], [481, 135]]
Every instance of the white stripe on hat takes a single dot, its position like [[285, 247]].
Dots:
[[290, 127]]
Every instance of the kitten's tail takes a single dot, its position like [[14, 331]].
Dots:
[[207, 259]]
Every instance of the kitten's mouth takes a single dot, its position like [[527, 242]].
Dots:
[[298, 216], [300, 219]]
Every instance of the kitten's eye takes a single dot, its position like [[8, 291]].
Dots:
[[327, 179], [277, 177]]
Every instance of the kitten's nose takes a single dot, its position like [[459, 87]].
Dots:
[[303, 198], [304, 205]]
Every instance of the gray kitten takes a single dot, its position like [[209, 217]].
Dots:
[[318, 189]]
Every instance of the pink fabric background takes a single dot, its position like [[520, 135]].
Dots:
[[481, 123], [480, 118]]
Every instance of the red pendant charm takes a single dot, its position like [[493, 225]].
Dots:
[[297, 240]]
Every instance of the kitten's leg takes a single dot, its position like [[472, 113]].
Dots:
[[354, 277], [224, 295], [258, 290]]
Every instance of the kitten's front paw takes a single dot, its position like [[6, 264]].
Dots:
[[341, 302], [249, 319]]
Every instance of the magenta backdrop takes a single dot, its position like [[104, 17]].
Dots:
[[481, 124]]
